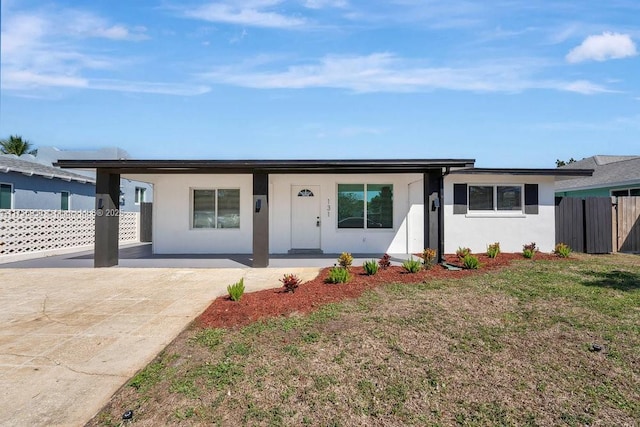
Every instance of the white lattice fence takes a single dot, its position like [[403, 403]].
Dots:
[[25, 231], [129, 230]]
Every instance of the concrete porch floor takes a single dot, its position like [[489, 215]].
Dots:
[[140, 256]]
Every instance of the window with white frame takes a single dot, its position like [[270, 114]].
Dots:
[[365, 206], [6, 192], [139, 197], [65, 199], [495, 198], [215, 208]]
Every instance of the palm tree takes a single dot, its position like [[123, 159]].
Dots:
[[16, 145]]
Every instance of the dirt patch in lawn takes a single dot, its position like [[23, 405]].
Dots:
[[224, 313]]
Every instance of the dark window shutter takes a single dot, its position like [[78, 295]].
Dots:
[[531, 199], [459, 199]]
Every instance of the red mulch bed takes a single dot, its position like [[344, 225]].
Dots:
[[224, 313]]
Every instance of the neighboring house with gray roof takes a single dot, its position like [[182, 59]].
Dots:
[[32, 182], [132, 192], [26, 184], [612, 176]]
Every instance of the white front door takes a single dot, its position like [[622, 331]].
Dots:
[[305, 217]]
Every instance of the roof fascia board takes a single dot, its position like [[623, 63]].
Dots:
[[266, 166], [518, 171]]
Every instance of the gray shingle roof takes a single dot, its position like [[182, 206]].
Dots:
[[11, 163], [608, 171]]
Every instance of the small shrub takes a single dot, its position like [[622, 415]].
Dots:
[[429, 257], [385, 261], [529, 250], [345, 260], [562, 250], [463, 252], [412, 265], [470, 262], [370, 267], [236, 290], [493, 250], [290, 282], [338, 275]]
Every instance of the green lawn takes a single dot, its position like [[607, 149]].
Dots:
[[506, 348]]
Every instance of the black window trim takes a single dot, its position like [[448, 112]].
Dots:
[[530, 199]]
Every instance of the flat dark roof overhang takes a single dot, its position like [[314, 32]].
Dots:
[[516, 171], [266, 166]]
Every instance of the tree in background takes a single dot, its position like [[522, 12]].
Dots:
[[563, 163], [16, 145]]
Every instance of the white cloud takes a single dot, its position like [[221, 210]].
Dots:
[[44, 49], [34, 54], [586, 88], [321, 4], [26, 79], [385, 72], [148, 87], [78, 23], [603, 47], [248, 13], [562, 34]]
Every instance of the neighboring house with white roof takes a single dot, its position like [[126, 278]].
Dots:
[[613, 176], [27, 184]]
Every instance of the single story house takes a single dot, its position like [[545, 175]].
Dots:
[[264, 207], [612, 176], [30, 185]]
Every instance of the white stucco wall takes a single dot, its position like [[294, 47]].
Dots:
[[172, 232], [172, 213], [477, 230], [333, 239]]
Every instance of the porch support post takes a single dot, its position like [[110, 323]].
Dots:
[[107, 218], [260, 220], [433, 212]]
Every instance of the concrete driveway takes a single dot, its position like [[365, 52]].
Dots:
[[69, 338]]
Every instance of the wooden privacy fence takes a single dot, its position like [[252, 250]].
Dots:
[[628, 219], [598, 225], [146, 218]]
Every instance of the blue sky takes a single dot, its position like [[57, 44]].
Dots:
[[510, 83]]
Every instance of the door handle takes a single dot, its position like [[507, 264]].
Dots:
[[317, 221]]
